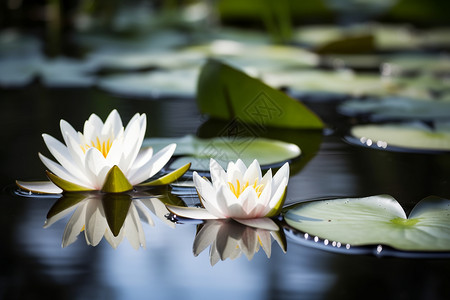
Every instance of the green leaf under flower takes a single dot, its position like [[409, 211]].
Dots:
[[168, 178], [220, 94], [376, 220], [65, 185], [116, 182]]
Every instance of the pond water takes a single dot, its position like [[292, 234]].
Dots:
[[35, 266]]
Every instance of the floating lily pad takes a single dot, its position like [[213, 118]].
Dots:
[[66, 72], [406, 137], [420, 63], [125, 61], [342, 82], [396, 108], [386, 37], [18, 72], [376, 220], [308, 140], [180, 83], [199, 151], [257, 53], [220, 94]]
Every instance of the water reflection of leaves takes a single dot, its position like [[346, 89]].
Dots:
[[113, 216], [229, 239]]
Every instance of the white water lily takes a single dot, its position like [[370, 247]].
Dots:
[[240, 193], [87, 159], [229, 239], [89, 216]]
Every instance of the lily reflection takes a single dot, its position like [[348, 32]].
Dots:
[[113, 216], [229, 239]]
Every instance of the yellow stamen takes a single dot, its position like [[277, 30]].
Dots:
[[103, 147], [238, 189]]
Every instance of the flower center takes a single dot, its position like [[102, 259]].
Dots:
[[239, 188], [103, 147]]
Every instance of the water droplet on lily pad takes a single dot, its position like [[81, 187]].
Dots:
[[376, 220], [403, 136]]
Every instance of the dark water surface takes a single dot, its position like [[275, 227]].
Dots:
[[34, 266]]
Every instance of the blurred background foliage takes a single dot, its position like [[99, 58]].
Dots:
[[82, 14]]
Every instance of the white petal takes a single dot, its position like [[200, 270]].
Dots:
[[92, 128], [225, 243], [142, 158], [112, 126], [95, 222], [115, 153], [191, 212], [265, 240], [208, 195], [227, 202], [132, 144], [236, 209], [50, 221], [217, 172], [114, 241], [158, 208], [263, 223], [59, 171], [276, 196], [64, 157], [68, 131], [214, 257], [206, 236], [253, 172], [249, 242], [133, 229], [133, 120], [144, 211], [77, 153], [241, 166], [267, 178], [283, 172], [44, 187], [74, 226], [153, 166], [96, 167], [234, 173], [266, 194]]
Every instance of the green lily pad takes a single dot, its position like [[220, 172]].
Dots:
[[116, 208], [341, 82], [198, 151], [413, 136], [308, 140], [220, 94], [376, 220], [116, 182], [179, 83]]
